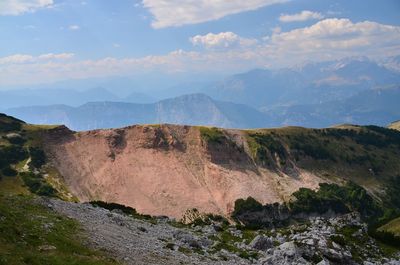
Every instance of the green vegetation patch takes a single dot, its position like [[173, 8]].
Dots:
[[30, 234], [38, 157], [329, 197], [393, 227], [339, 199], [124, 209], [37, 184], [226, 241], [212, 135], [264, 146], [9, 124]]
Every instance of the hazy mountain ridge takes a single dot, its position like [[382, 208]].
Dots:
[[351, 90], [195, 109], [374, 106], [311, 83]]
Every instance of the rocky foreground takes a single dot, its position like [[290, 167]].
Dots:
[[160, 240]]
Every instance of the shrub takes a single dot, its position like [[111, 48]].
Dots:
[[46, 190], [38, 157], [385, 237], [212, 135], [37, 184], [309, 201], [114, 206], [9, 172], [16, 140], [9, 126], [329, 197], [261, 144], [248, 205], [12, 155]]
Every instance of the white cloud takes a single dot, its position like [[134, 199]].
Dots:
[[328, 39], [181, 12], [25, 58], [52, 56], [221, 40], [18, 7], [339, 34], [74, 27], [302, 16], [16, 59]]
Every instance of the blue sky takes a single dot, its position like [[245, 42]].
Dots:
[[50, 40]]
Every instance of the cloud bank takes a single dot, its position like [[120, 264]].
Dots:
[[328, 39], [182, 12], [221, 40], [302, 16], [18, 7]]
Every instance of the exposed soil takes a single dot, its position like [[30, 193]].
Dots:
[[165, 170]]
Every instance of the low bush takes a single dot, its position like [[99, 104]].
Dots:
[[114, 206], [16, 140], [247, 205], [329, 197], [38, 157], [212, 135], [9, 172], [11, 155], [37, 184]]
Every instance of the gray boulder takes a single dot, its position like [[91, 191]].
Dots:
[[261, 242]]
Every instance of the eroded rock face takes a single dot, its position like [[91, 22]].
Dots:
[[166, 169]]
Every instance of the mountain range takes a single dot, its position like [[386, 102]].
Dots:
[[374, 106], [352, 90]]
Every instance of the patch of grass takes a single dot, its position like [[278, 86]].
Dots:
[[33, 235], [265, 145], [12, 186], [393, 227], [37, 184], [184, 250], [225, 240], [212, 135]]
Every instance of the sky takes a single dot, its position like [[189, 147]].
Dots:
[[44, 41]]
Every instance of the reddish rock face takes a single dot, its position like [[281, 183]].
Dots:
[[166, 169]]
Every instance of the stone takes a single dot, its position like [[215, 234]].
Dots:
[[261, 242], [47, 248]]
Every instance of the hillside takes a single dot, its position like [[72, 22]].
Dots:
[[393, 226], [167, 169], [184, 171], [395, 125]]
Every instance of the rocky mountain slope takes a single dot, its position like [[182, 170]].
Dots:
[[168, 169], [46, 170]]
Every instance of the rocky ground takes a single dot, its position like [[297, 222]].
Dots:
[[339, 240]]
